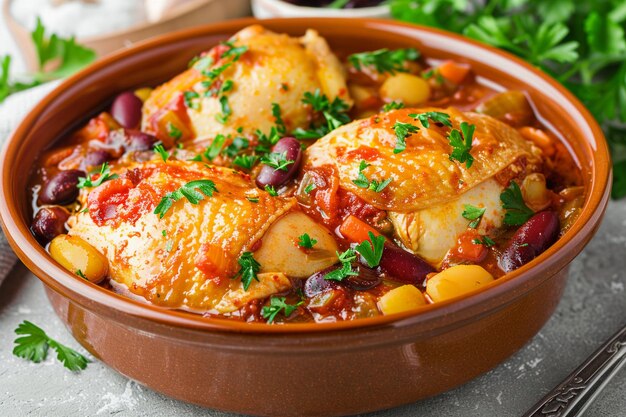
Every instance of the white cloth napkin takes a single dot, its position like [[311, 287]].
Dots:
[[12, 111]]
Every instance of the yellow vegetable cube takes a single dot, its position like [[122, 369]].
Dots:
[[79, 257], [455, 281], [403, 298], [407, 88]]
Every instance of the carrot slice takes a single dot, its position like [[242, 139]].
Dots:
[[454, 71], [356, 230]]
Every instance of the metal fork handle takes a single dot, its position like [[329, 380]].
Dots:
[[576, 393]]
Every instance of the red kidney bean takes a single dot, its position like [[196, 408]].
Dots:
[[530, 240], [367, 278], [137, 140], [404, 266], [126, 109], [96, 158], [49, 222], [316, 283], [61, 188], [293, 152]]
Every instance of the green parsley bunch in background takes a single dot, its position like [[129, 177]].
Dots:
[[581, 43]]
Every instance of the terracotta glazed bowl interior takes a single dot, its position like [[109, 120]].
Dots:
[[329, 368]]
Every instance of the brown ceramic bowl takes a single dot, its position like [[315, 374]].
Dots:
[[303, 369]]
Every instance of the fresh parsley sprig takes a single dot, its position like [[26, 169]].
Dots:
[[363, 182], [104, 175], [461, 142], [278, 304], [473, 213], [193, 191], [372, 250], [277, 160], [346, 258], [249, 268], [334, 112], [34, 343], [305, 241], [393, 105], [435, 116], [403, 130], [517, 212], [159, 149], [384, 60]]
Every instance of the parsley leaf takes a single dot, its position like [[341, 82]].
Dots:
[[278, 304], [485, 241], [271, 190], [193, 191], [384, 60], [278, 120], [312, 186], [346, 258], [215, 147], [248, 270], [104, 175], [461, 143], [334, 113], [245, 161], [305, 241], [33, 346], [372, 250], [435, 116], [190, 99], [234, 52], [403, 130], [162, 152], [517, 212], [173, 132], [277, 160], [363, 182], [473, 213], [393, 105], [226, 110]]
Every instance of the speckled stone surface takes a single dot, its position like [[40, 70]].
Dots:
[[593, 308]]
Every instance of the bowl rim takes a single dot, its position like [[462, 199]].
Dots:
[[511, 286]]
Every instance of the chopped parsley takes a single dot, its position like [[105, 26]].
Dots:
[[372, 250], [271, 190], [461, 143], [334, 113], [80, 274], [161, 151], [394, 105], [403, 130], [485, 240], [164, 232], [280, 124], [384, 60], [269, 140], [212, 74], [363, 182], [305, 241], [234, 51], [346, 258], [435, 116], [237, 145], [173, 132], [278, 304], [201, 63], [473, 213], [33, 345], [312, 186], [214, 149], [193, 191], [253, 199], [248, 270], [226, 110], [517, 212], [104, 175], [245, 161], [277, 160], [191, 101]]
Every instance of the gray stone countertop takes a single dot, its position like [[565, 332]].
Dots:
[[592, 309]]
